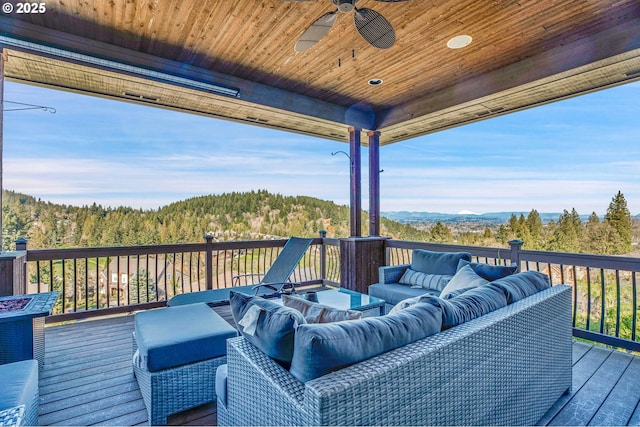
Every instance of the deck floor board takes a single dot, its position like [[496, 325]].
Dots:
[[87, 380]]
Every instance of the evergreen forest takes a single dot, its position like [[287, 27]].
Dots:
[[258, 215]]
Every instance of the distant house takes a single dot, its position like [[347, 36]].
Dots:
[[130, 278]]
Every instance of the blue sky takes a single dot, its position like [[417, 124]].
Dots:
[[572, 154]]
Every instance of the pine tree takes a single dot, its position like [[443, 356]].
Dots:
[[534, 224], [619, 218]]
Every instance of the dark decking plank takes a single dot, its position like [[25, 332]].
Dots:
[[70, 393], [579, 349], [619, 406], [585, 402], [583, 369]]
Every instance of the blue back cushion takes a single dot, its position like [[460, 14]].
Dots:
[[487, 271], [469, 305], [437, 262], [326, 347], [521, 285], [275, 327]]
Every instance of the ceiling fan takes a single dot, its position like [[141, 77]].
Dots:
[[372, 26]]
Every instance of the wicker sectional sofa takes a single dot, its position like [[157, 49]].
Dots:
[[507, 367]]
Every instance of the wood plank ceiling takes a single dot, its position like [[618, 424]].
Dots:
[[524, 53]]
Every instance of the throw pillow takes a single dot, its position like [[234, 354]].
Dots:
[[418, 279], [404, 304], [437, 262], [464, 278], [488, 271], [266, 324], [521, 285], [324, 348], [469, 305], [318, 313]]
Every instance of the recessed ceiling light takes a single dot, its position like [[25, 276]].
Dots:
[[375, 82], [459, 42]]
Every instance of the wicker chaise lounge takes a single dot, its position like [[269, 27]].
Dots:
[[507, 367]]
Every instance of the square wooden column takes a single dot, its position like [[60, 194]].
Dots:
[[374, 183], [355, 204], [360, 259]]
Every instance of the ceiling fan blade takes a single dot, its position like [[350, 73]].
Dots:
[[385, 1], [316, 31], [374, 28]]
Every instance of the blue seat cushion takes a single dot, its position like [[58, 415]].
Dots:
[[521, 285], [393, 293], [176, 336], [274, 325], [321, 348], [437, 262], [19, 383], [469, 305], [487, 271]]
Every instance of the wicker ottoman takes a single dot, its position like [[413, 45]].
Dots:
[[176, 353]]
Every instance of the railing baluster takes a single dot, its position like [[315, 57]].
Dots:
[[635, 306], [617, 303], [588, 299], [604, 300]]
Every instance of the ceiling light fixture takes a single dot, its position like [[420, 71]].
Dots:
[[375, 82], [458, 42]]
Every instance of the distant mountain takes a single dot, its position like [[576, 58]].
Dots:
[[407, 217]]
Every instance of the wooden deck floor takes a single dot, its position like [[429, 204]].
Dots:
[[87, 380]]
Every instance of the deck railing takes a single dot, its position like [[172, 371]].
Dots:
[[99, 281], [605, 288], [96, 281]]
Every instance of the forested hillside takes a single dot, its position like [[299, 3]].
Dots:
[[261, 215], [229, 216]]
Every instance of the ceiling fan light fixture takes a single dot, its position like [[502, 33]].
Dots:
[[345, 6], [458, 42], [375, 82]]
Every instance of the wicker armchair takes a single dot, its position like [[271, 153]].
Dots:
[[505, 368]]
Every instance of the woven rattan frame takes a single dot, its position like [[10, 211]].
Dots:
[[505, 368], [177, 389]]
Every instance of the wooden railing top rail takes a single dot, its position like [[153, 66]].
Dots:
[[92, 252], [583, 260]]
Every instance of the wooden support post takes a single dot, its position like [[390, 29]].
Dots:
[[516, 247], [355, 180], [360, 259], [209, 260], [374, 183]]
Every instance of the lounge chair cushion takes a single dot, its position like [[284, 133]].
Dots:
[[314, 312], [19, 383], [418, 279], [521, 285], [324, 348], [437, 262], [469, 305], [463, 279], [393, 293], [268, 325], [487, 271], [175, 336]]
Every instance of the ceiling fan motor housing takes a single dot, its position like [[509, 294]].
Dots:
[[345, 6]]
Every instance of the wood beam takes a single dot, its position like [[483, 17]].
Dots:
[[374, 183], [57, 45], [355, 204], [622, 39]]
